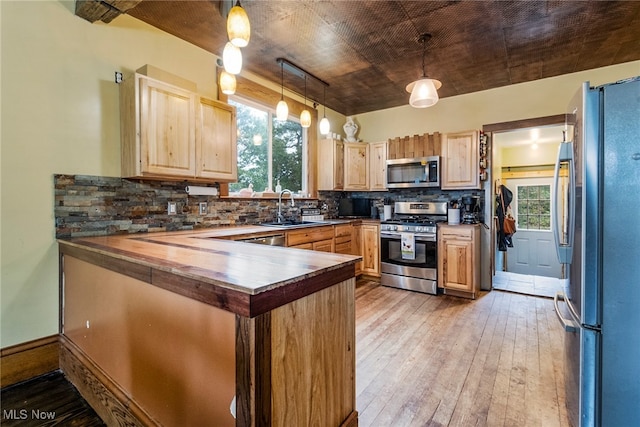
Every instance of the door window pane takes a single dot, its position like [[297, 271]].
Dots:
[[534, 207]]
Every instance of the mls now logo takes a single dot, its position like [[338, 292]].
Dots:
[[23, 414]]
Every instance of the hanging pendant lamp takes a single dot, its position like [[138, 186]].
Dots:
[[282, 109], [227, 83], [305, 116], [324, 125], [424, 91], [232, 58], [238, 26]]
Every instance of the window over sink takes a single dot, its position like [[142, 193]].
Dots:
[[269, 150]]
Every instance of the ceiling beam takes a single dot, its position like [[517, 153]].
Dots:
[[103, 10]]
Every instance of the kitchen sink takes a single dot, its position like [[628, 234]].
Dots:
[[295, 224]]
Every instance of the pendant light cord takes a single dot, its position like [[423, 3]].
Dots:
[[324, 101], [424, 38], [281, 81]]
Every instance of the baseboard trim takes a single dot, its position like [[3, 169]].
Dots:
[[104, 395], [28, 360], [351, 421]]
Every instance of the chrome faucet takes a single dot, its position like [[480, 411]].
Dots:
[[280, 217]]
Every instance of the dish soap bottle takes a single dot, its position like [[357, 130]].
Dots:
[[278, 187]]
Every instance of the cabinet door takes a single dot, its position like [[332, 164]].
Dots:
[[167, 129], [356, 166], [378, 165], [460, 156], [356, 247], [216, 149], [330, 165], [371, 249], [458, 264]]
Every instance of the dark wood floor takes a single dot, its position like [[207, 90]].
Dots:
[[49, 400], [422, 360]]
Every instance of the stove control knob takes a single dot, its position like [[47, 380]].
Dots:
[[394, 227], [418, 229]]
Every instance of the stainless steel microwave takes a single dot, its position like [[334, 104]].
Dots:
[[416, 172]]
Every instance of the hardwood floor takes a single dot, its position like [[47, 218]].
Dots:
[[421, 360], [48, 400], [443, 361]]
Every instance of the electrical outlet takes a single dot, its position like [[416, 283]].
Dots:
[[172, 208], [202, 208]]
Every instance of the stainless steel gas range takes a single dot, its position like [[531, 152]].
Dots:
[[409, 248]]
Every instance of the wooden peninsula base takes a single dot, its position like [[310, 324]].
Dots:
[[145, 347]]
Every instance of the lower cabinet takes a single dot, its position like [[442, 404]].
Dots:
[[343, 239], [459, 259], [314, 238], [361, 239], [370, 248]]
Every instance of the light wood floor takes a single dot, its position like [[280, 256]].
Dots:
[[424, 360]]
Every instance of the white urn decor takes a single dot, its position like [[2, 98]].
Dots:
[[350, 130]]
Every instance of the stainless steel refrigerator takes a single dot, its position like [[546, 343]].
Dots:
[[597, 227]]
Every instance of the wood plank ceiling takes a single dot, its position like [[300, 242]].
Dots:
[[368, 51]]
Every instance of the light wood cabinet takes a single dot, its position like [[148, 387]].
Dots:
[[330, 165], [370, 243], [378, 166], [460, 161], [171, 132], [314, 238], [216, 148], [351, 166], [356, 166], [343, 235], [356, 247], [459, 259]]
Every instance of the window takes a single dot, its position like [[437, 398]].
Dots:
[[533, 207], [269, 151]]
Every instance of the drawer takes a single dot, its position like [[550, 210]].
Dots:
[[456, 232], [303, 246], [343, 230], [308, 235], [343, 248], [343, 239]]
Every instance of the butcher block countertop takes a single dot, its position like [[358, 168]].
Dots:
[[207, 265]]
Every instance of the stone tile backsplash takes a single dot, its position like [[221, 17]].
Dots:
[[94, 205]]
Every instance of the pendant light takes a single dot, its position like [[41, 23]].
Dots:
[[424, 91], [305, 116], [232, 58], [238, 26], [324, 125], [282, 109], [227, 83]]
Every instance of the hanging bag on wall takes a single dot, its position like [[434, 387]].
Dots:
[[508, 223]]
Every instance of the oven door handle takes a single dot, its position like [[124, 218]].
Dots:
[[396, 236]]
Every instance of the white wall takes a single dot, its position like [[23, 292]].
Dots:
[[60, 115]]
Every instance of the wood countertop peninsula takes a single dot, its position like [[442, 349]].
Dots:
[[207, 266], [181, 328]]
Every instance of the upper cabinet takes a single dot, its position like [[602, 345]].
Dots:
[[460, 161], [356, 166], [216, 147], [351, 166], [330, 165], [377, 166], [171, 132]]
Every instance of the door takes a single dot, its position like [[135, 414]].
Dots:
[[533, 251]]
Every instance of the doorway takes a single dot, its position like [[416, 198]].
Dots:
[[523, 160]]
